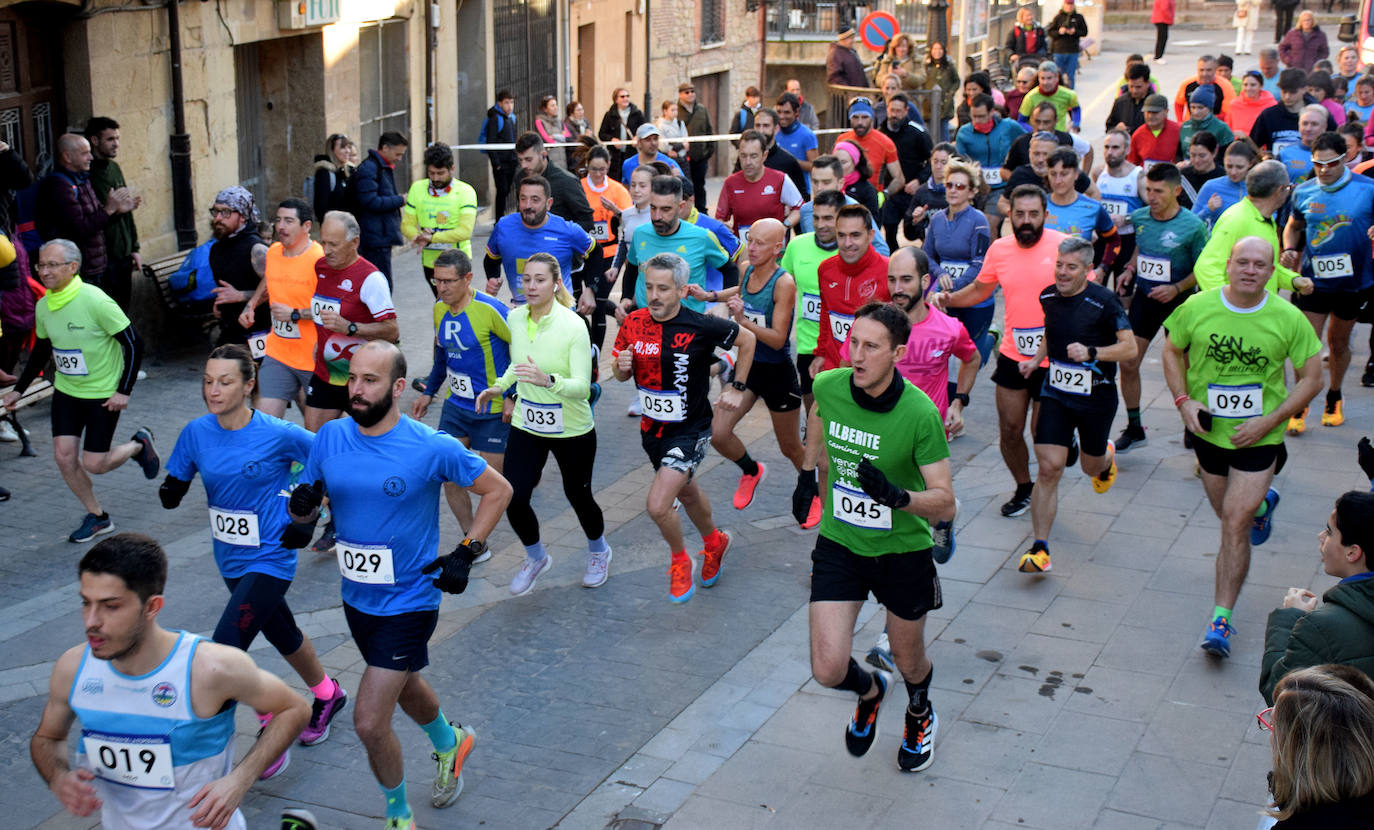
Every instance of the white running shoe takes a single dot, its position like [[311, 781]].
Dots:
[[523, 582], [598, 568]]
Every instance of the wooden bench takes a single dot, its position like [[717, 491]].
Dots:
[[37, 391], [200, 316]]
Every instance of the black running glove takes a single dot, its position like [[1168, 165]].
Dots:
[[804, 493], [453, 568], [1366, 457], [174, 489], [878, 488], [306, 499], [297, 535]]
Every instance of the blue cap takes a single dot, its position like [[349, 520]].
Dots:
[[861, 106]]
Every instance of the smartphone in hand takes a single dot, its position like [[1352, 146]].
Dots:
[[1204, 419]]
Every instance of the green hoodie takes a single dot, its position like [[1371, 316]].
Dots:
[[1210, 124]]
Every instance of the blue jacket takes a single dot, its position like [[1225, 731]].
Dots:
[[988, 150], [379, 205]]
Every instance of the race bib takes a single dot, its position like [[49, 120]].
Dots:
[[257, 344], [744, 236], [286, 329], [1153, 268], [955, 270], [143, 761], [854, 507], [1027, 341], [811, 307], [1071, 378], [366, 564], [755, 317], [70, 361], [234, 527], [318, 305], [460, 385], [669, 406], [1332, 265], [439, 246], [840, 325], [1244, 401], [992, 176], [543, 418], [1115, 208], [601, 231]]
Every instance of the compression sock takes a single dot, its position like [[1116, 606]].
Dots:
[[1224, 613], [1133, 418], [856, 680], [597, 545], [715, 540], [747, 465], [325, 689], [535, 552], [1262, 509], [441, 733], [1332, 396], [919, 693], [396, 804]]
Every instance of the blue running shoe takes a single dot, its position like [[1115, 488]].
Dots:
[[1264, 525], [1218, 638]]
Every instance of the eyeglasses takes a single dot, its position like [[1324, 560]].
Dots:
[[690, 89], [51, 266], [225, 212], [1266, 719], [1328, 163], [956, 185]]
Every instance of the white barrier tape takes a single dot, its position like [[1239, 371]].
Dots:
[[618, 142]]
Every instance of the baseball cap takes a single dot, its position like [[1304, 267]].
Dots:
[[646, 130], [1156, 103]]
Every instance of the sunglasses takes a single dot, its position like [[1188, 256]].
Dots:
[[956, 185], [1325, 164], [1266, 719]]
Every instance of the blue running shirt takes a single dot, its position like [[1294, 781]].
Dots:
[[384, 494], [1336, 255], [245, 472], [513, 243], [1082, 217], [476, 344]]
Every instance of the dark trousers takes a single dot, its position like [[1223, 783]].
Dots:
[[380, 256], [698, 173], [504, 174], [526, 455], [117, 281], [429, 278], [1161, 39], [1283, 21], [257, 603]]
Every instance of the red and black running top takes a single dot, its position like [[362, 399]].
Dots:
[[673, 358]]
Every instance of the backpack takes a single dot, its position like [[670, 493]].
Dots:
[[482, 134]]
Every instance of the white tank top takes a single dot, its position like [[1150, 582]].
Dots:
[[150, 752], [1120, 194]]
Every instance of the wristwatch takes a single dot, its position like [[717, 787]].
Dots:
[[352, 329], [295, 315], [738, 385], [552, 380], [962, 398], [1092, 353]]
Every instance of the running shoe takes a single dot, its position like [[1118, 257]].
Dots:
[[325, 544], [91, 527], [918, 741], [880, 656], [322, 713], [278, 766], [1102, 482], [1034, 561], [942, 537], [813, 516], [1334, 414], [1367, 379], [407, 823], [712, 557], [681, 583], [448, 776], [295, 818], [147, 457], [4, 494], [744, 493], [529, 571], [1264, 525], [1297, 425], [7, 433], [1016, 505], [1218, 638], [633, 409], [1131, 439], [598, 568], [863, 727]]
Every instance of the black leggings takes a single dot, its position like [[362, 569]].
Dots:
[[1283, 21], [257, 602], [526, 455], [1161, 39]]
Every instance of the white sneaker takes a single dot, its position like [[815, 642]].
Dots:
[[598, 568], [7, 433], [523, 582]]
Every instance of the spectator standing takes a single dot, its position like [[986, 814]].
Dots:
[[379, 205], [1027, 38], [238, 259], [698, 122], [500, 129], [671, 128], [1066, 31], [941, 72], [842, 64], [807, 113], [1246, 23], [16, 299], [1162, 15], [899, 58], [1283, 20], [575, 121], [551, 129], [121, 235], [618, 128], [66, 206], [1304, 45], [333, 169], [743, 119]]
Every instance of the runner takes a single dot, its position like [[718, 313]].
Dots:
[[1219, 194], [1267, 190], [550, 368], [610, 203], [1023, 264], [764, 308], [1048, 89], [533, 229], [887, 478], [986, 140], [471, 350], [287, 285], [668, 233], [827, 173], [1328, 235], [802, 259], [244, 459], [97, 354], [1161, 277], [956, 242], [1121, 185], [856, 276], [383, 472], [756, 192], [1086, 331], [1227, 347], [164, 759], [1072, 213], [667, 349], [440, 212]]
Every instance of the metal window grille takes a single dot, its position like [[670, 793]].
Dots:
[[712, 21]]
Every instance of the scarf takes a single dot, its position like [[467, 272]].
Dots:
[[853, 152], [58, 299]]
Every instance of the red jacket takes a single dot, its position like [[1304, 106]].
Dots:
[[1163, 12], [845, 289], [1145, 146]]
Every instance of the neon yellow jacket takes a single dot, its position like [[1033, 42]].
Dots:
[[1239, 221], [451, 214]]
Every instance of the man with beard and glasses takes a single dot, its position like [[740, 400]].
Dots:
[[238, 259], [384, 472], [156, 706], [534, 229], [1023, 264]]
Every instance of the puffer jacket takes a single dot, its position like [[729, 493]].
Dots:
[[1339, 630]]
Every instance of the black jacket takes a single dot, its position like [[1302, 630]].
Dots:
[[500, 130], [1354, 814], [610, 131], [1067, 44], [1016, 41], [1126, 110], [379, 205], [913, 150], [330, 187]]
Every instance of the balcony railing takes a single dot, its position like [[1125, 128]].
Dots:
[[806, 19]]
